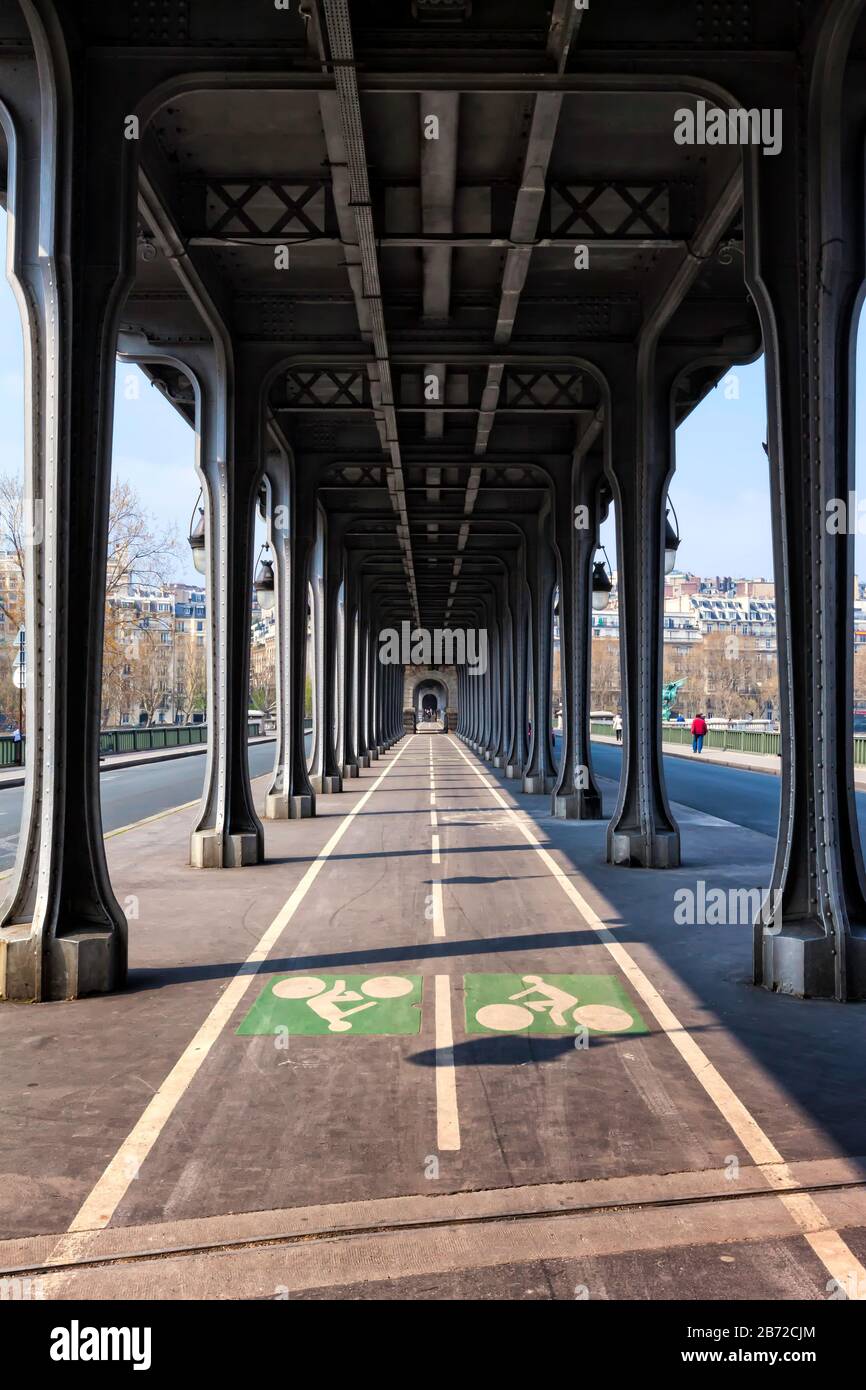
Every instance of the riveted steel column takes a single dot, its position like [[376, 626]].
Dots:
[[72, 180], [332, 777], [805, 269], [540, 774], [516, 753], [291, 794], [576, 795], [228, 833], [350, 671], [363, 679], [641, 450]]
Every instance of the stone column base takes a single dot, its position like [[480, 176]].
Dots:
[[90, 961], [499, 761], [513, 772], [332, 785], [629, 848], [209, 849], [350, 770], [363, 759], [576, 806], [799, 960], [279, 806], [535, 785]]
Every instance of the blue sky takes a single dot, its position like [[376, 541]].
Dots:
[[720, 491]]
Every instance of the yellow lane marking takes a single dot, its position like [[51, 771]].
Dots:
[[438, 909], [447, 1120], [103, 1201], [827, 1244]]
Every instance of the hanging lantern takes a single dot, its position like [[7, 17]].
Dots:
[[264, 582], [601, 586], [672, 542], [197, 540]]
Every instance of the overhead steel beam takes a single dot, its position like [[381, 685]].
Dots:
[[347, 154], [524, 229]]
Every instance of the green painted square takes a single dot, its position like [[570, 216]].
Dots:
[[549, 1004], [343, 1005]]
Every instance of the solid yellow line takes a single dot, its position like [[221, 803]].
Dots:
[[122, 829], [447, 1120], [827, 1244], [100, 1206], [158, 815]]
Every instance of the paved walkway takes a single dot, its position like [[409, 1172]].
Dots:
[[435, 1047]]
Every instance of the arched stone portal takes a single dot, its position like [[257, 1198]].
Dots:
[[430, 696]]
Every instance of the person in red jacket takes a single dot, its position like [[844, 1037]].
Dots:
[[699, 729]]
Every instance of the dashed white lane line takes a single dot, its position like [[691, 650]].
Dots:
[[827, 1244], [447, 1119], [436, 885], [438, 909], [100, 1206]]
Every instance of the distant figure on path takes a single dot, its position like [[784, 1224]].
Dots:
[[617, 727], [699, 729]]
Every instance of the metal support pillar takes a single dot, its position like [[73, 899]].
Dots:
[[363, 681], [228, 833], [350, 671], [332, 776], [290, 794], [576, 795], [317, 663], [516, 752], [805, 268], [63, 933], [540, 775], [640, 462]]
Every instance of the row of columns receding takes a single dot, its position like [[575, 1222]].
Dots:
[[75, 196]]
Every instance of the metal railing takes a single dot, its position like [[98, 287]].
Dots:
[[732, 740], [145, 739], [134, 739]]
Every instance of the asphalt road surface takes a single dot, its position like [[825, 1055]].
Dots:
[[132, 793], [749, 799]]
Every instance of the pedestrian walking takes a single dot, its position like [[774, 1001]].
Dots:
[[699, 730], [617, 727]]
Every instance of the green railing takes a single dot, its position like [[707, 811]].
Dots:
[[734, 740], [11, 753], [135, 739], [140, 739]]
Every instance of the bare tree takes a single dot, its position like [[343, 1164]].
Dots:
[[137, 554], [150, 678], [190, 689], [605, 674]]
